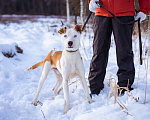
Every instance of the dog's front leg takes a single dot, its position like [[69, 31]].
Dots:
[[66, 94], [81, 73], [85, 88]]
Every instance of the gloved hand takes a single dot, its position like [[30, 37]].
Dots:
[[93, 6], [140, 15]]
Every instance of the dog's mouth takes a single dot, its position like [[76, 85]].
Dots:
[[70, 46]]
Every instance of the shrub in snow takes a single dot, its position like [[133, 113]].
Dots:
[[18, 49], [10, 50], [9, 54]]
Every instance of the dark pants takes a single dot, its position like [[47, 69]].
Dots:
[[103, 28]]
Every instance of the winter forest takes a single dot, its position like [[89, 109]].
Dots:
[[42, 7], [29, 31]]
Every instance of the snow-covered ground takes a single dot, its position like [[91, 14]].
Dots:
[[17, 87]]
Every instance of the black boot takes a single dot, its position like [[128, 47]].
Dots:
[[93, 95]]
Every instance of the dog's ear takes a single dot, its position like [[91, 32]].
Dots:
[[78, 28], [62, 31]]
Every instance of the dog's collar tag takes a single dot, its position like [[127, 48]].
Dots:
[[72, 51]]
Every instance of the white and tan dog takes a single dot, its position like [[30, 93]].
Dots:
[[65, 64]]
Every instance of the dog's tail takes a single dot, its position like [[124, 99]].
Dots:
[[34, 66]]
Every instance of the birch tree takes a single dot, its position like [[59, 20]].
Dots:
[[81, 11], [68, 13], [149, 33]]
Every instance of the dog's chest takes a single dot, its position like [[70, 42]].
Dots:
[[69, 63], [73, 70]]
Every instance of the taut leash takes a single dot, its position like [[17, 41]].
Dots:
[[140, 42], [87, 20]]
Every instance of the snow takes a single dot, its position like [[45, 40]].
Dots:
[[37, 39]]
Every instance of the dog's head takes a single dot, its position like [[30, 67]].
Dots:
[[71, 37]]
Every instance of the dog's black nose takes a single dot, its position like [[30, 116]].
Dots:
[[70, 43]]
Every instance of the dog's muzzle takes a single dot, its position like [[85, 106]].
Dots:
[[70, 44]]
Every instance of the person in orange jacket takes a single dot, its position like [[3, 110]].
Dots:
[[104, 25]]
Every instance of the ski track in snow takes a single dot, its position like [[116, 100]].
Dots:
[[17, 87]]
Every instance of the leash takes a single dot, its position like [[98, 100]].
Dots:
[[87, 20], [128, 23], [140, 42]]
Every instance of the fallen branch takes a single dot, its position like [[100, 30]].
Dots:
[[68, 85], [113, 90], [43, 114]]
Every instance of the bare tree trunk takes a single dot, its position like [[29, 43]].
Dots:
[[57, 7], [75, 20], [34, 7], [41, 7], [149, 33], [136, 4], [68, 13], [81, 12]]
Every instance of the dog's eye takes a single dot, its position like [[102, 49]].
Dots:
[[75, 36], [65, 36]]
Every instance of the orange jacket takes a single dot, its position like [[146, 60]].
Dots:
[[121, 7]]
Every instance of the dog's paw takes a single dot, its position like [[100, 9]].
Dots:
[[67, 107], [91, 101], [34, 103], [55, 93]]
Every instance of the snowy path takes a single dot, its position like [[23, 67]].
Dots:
[[17, 87]]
